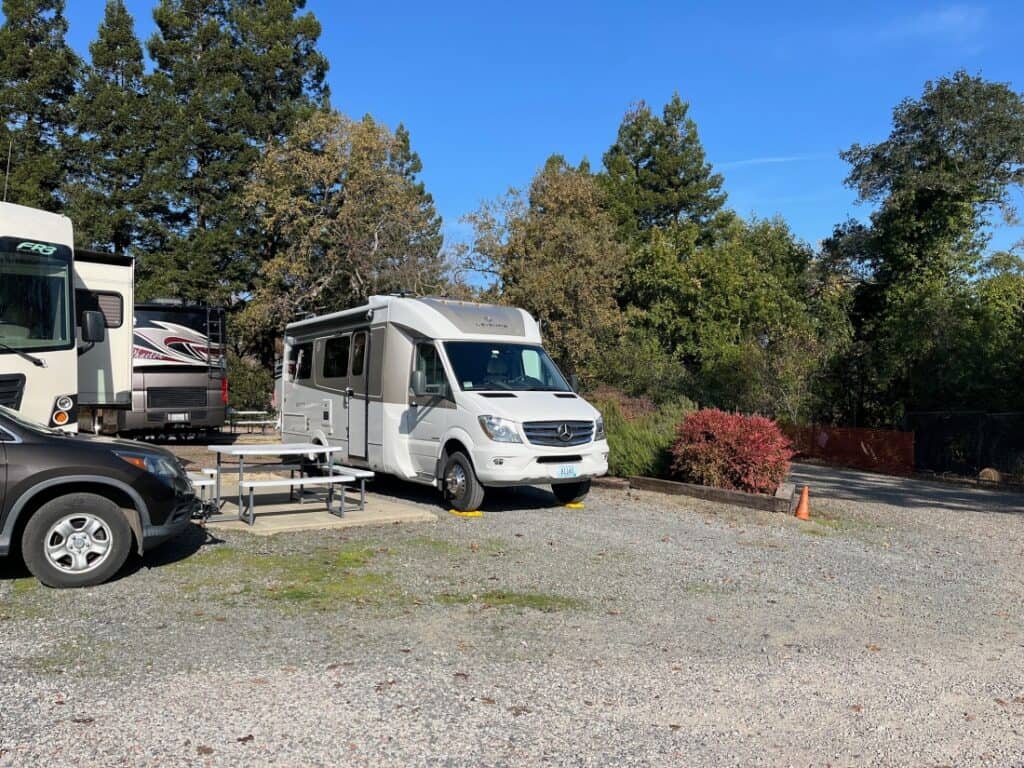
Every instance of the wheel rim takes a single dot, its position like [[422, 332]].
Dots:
[[455, 481], [78, 543]]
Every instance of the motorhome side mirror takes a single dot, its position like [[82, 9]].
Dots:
[[94, 327], [574, 382], [419, 384]]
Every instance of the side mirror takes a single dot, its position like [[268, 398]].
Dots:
[[94, 327], [574, 382], [419, 384]]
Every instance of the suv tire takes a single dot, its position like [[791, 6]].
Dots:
[[459, 485], [77, 540], [571, 493]]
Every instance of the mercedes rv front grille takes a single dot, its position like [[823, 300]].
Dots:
[[176, 397], [559, 433], [12, 385]]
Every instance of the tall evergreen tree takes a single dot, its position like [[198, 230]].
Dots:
[[37, 78], [657, 173], [114, 134], [230, 75]]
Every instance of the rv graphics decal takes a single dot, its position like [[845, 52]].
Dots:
[[161, 343]]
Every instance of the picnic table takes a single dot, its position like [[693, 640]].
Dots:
[[250, 420], [246, 513]]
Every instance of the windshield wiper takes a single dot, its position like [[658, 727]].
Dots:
[[37, 361]]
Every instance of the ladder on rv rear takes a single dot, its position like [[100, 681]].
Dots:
[[217, 345]]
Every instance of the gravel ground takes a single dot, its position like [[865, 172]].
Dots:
[[641, 630]]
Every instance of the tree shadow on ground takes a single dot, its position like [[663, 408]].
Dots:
[[517, 498]]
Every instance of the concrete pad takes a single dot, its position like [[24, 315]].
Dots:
[[276, 514]]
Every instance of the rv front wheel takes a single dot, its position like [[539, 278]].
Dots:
[[461, 488]]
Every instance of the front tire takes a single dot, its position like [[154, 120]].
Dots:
[[571, 493], [460, 486], [78, 540]]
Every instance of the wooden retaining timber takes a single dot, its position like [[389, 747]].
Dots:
[[783, 501]]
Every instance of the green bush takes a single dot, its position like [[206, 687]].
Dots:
[[639, 445], [250, 385]]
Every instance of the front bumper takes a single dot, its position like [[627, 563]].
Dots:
[[498, 464], [177, 521]]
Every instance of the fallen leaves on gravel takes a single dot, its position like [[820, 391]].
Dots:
[[245, 739], [383, 685], [83, 720], [518, 710], [856, 708], [462, 675], [873, 648], [202, 749]]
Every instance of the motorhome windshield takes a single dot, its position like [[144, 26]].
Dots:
[[35, 295], [483, 365]]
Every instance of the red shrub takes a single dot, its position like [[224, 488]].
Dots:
[[729, 450]]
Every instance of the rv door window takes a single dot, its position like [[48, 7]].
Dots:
[[336, 357], [358, 353], [302, 361], [109, 303], [429, 362]]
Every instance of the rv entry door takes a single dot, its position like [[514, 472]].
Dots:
[[357, 395]]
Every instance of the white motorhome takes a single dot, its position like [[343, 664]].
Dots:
[[65, 322], [447, 393]]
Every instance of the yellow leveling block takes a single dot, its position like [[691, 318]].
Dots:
[[575, 505], [471, 513]]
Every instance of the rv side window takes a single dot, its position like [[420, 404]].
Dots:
[[109, 303], [302, 361], [336, 357], [429, 361], [358, 353]]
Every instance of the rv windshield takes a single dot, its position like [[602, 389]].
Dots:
[[483, 365], [35, 295]]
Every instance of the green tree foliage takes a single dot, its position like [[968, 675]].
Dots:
[[554, 251], [37, 78], [951, 160], [107, 192], [230, 76], [347, 217], [657, 173]]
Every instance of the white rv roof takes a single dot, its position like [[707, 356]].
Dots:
[[33, 224], [433, 318]]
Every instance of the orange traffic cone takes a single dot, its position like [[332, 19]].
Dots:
[[803, 509]]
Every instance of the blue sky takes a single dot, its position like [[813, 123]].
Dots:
[[488, 90]]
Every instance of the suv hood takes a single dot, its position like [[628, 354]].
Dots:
[[117, 443], [530, 406]]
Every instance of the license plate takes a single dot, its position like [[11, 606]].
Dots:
[[567, 470], [177, 417]]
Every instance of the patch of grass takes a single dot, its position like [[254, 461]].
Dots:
[[318, 581], [538, 601], [25, 586], [22, 604]]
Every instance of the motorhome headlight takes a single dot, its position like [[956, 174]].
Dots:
[[165, 470], [500, 430], [599, 428], [65, 403]]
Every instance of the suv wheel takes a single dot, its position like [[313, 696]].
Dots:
[[77, 540], [459, 484], [571, 493]]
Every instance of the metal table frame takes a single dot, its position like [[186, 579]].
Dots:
[[265, 449]]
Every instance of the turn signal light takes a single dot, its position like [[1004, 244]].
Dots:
[[137, 461], [60, 418]]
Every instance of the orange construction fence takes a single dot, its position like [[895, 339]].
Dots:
[[883, 450]]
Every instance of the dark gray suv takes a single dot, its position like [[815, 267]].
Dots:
[[78, 504]]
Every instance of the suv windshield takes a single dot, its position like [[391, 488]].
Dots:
[[35, 295], [483, 365], [16, 419]]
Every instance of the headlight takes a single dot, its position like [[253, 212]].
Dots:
[[163, 468], [500, 430], [599, 428]]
